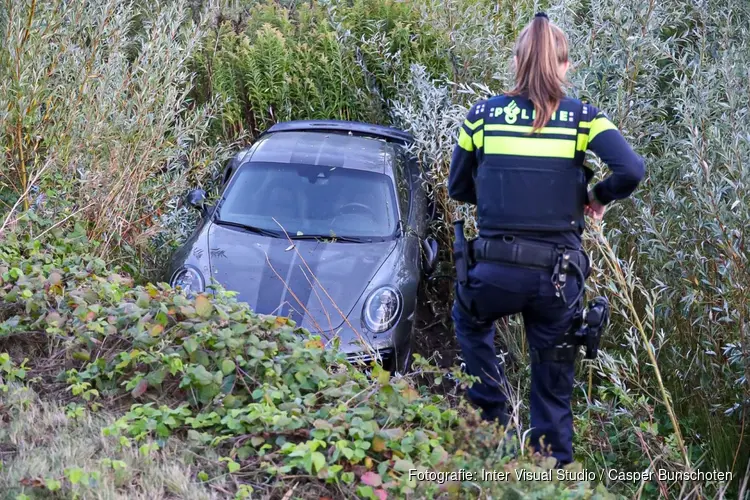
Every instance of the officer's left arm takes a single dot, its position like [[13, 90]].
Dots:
[[464, 161], [628, 168]]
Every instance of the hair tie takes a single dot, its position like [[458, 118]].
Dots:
[[541, 14]]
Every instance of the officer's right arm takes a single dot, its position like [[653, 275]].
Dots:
[[464, 161], [628, 168]]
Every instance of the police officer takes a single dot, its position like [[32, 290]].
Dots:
[[519, 159]]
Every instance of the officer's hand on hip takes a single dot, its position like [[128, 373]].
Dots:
[[594, 209]]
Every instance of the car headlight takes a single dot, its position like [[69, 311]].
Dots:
[[189, 279], [381, 309]]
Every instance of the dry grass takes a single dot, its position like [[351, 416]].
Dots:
[[39, 441], [94, 95]]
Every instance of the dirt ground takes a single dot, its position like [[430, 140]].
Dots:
[[434, 337]]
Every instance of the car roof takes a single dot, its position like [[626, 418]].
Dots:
[[355, 128], [332, 149]]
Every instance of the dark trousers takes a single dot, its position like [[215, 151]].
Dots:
[[494, 290]]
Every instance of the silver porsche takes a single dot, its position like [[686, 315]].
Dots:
[[324, 222]]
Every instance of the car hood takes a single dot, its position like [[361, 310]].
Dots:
[[315, 283]]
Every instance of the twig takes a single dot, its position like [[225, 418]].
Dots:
[[24, 195], [611, 259], [744, 482], [242, 379], [291, 292], [288, 494], [653, 465], [312, 287], [66, 218]]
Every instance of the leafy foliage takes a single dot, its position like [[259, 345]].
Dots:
[[267, 395], [96, 118]]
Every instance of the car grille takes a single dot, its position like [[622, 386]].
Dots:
[[369, 357]]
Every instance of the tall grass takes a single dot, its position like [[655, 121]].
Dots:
[[313, 60], [98, 90], [674, 78]]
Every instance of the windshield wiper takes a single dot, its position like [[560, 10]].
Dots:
[[345, 239], [246, 227]]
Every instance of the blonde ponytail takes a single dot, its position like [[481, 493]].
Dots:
[[539, 51]]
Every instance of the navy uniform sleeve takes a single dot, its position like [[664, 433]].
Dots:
[[465, 156], [628, 168]]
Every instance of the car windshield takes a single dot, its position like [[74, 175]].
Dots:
[[311, 200]]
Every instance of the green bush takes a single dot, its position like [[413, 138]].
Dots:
[[311, 61], [670, 77], [96, 124]]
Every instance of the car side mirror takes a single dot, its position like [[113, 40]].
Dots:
[[430, 248], [196, 199]]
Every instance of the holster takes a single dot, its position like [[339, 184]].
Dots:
[[461, 253], [597, 318], [585, 332]]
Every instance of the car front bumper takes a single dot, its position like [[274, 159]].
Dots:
[[392, 347], [367, 358]]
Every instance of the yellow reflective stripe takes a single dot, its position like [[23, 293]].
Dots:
[[583, 142], [523, 129], [529, 146], [479, 138], [464, 141], [599, 125], [474, 125], [585, 124]]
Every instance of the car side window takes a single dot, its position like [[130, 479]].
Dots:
[[403, 185]]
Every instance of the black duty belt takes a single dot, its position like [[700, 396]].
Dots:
[[509, 250]]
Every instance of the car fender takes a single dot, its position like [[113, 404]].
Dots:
[[194, 252], [398, 271]]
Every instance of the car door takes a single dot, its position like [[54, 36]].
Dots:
[[422, 214], [407, 208], [419, 197]]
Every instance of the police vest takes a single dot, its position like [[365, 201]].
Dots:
[[531, 182]]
